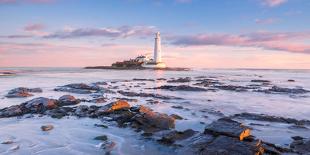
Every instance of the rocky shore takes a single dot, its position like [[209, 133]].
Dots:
[[223, 135]]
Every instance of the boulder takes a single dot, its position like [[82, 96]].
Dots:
[[169, 137], [228, 127], [11, 111], [158, 96], [220, 145], [150, 120], [47, 127], [260, 81], [114, 106], [22, 92], [66, 100], [180, 88], [281, 90], [40, 104], [79, 88], [301, 146]]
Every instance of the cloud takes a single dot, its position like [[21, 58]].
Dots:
[[265, 21], [16, 36], [34, 27], [118, 32], [273, 3], [287, 41]]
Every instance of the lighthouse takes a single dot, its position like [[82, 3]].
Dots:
[[156, 62], [157, 48]]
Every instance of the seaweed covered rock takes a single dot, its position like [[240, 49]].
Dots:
[[67, 100], [22, 92], [228, 127], [114, 106]]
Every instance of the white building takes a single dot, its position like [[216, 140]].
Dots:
[[157, 61]]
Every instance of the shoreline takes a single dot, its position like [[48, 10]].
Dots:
[[138, 68]]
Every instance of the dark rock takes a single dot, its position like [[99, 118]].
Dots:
[[99, 100], [102, 138], [66, 100], [262, 117], [135, 79], [22, 92], [276, 89], [180, 80], [158, 96], [297, 138], [40, 104], [101, 125], [11, 111], [175, 116], [228, 127], [177, 107], [170, 137], [161, 79], [220, 145], [301, 146], [233, 88], [290, 80], [79, 88], [180, 88], [261, 81], [47, 127]]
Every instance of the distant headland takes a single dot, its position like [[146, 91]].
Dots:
[[143, 62]]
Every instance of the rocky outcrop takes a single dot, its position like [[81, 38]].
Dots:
[[232, 88], [228, 127], [114, 106], [267, 118], [180, 80], [281, 90], [260, 81], [180, 88], [301, 145], [79, 88], [158, 96], [22, 92], [150, 121], [136, 79], [66, 100]]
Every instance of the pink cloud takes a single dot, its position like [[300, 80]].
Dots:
[[34, 27], [265, 21], [288, 41], [274, 3]]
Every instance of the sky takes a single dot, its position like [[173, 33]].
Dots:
[[195, 33]]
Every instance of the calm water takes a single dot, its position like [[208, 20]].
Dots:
[[75, 137]]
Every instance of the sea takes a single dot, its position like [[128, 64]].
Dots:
[[74, 136]]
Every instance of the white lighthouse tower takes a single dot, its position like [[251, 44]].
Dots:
[[157, 61], [157, 48]]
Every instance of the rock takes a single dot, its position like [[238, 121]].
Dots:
[[99, 100], [262, 117], [108, 146], [290, 80], [102, 138], [228, 127], [180, 88], [101, 125], [233, 88], [150, 120], [82, 111], [22, 92], [7, 142], [220, 145], [47, 127], [276, 89], [13, 148], [158, 96], [161, 79], [66, 100], [171, 137], [11, 111], [261, 81], [297, 138], [175, 116], [114, 106], [40, 104], [301, 146], [135, 79], [80, 88], [180, 80], [177, 107]]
